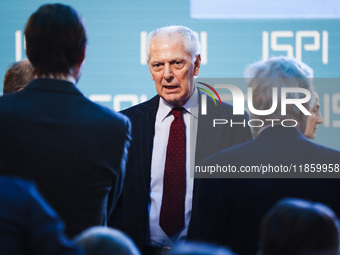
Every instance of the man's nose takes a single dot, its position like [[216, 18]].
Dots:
[[167, 72], [319, 118]]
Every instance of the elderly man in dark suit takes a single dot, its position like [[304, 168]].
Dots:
[[169, 134], [74, 149], [229, 211]]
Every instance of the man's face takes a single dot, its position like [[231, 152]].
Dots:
[[313, 120], [172, 69]]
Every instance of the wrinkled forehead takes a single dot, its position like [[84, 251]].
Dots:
[[168, 38], [169, 46]]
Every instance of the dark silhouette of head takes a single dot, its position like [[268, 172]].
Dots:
[[55, 40], [105, 241], [195, 248], [296, 226]]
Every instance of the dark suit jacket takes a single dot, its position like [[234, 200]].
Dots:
[[28, 225], [229, 211], [74, 149], [132, 216]]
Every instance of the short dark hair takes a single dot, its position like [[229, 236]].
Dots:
[[18, 75], [55, 39], [295, 226]]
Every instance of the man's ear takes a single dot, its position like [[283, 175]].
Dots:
[[303, 120], [197, 65], [81, 58], [76, 71]]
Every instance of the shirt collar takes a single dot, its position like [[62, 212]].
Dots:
[[191, 106], [68, 78]]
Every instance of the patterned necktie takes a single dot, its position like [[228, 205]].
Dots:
[[172, 211]]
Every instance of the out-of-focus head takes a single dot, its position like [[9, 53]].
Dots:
[[194, 248], [106, 241], [18, 75], [315, 119], [295, 226], [174, 59], [279, 72], [55, 40]]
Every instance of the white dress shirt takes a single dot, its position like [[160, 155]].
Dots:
[[155, 235]]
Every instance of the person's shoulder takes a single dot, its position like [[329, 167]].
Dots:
[[7, 99], [234, 151], [15, 182], [101, 117], [324, 151], [142, 108], [15, 187], [104, 112]]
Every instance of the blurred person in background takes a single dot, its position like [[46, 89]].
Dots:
[[18, 75], [106, 241], [230, 209], [315, 119], [195, 248], [295, 227]]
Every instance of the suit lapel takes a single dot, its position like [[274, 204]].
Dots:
[[143, 118], [148, 128]]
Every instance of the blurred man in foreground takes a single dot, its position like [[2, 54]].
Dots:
[[74, 149]]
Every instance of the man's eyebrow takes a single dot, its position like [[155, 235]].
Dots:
[[179, 59]]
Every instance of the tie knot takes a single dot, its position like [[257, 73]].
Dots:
[[177, 112]]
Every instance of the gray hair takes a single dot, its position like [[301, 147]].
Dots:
[[191, 41], [278, 72]]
